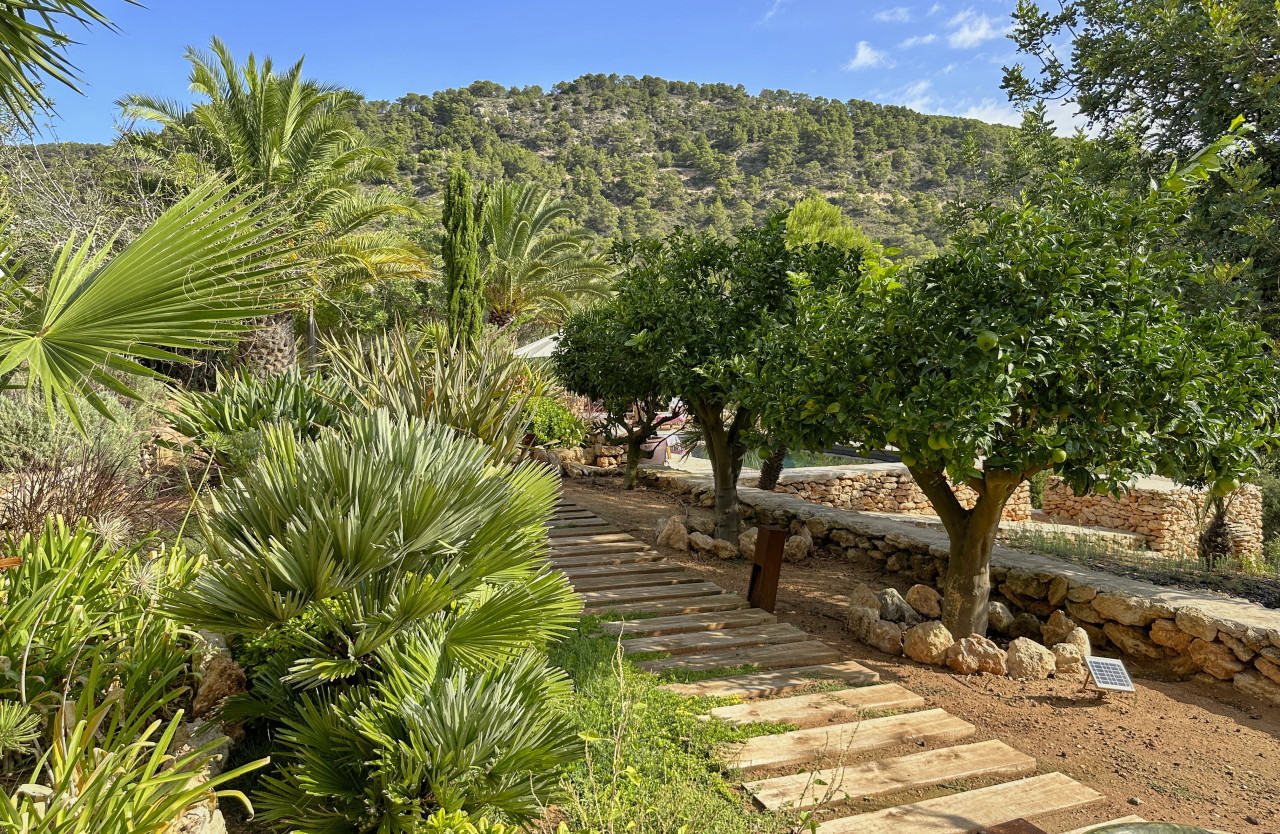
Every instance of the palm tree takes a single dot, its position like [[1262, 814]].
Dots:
[[529, 268], [294, 137]]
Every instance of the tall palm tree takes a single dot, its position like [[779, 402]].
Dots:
[[294, 137], [529, 268]]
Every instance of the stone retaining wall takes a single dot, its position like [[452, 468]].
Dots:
[[882, 488], [1226, 639], [1164, 512]]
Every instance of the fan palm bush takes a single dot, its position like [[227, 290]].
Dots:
[[408, 571]]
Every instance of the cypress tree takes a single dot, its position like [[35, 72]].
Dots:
[[460, 250]]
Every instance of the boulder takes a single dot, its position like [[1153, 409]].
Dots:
[[1165, 632], [860, 619], [1026, 626], [864, 596], [1081, 593], [1058, 590], [1258, 687], [1027, 660], [1215, 658], [895, 609], [671, 534], [928, 643], [1056, 630], [798, 546], [887, 637], [206, 646], [747, 542], [1269, 669], [1128, 609], [999, 617], [976, 654], [1068, 662], [1027, 584], [1079, 638], [223, 678], [1196, 623], [701, 542], [925, 600], [703, 524], [1132, 641]]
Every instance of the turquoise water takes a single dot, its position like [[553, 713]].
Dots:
[[793, 460]]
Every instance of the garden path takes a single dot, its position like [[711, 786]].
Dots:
[[845, 719]]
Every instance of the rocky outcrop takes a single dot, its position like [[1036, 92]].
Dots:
[[222, 679]]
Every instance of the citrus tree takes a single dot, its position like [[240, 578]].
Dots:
[[595, 359], [1050, 338], [704, 308]]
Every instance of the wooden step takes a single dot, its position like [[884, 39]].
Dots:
[[634, 580], [1095, 826], [685, 623], [696, 642], [971, 810], [581, 523], [785, 656], [690, 605], [932, 767], [625, 569], [820, 707], [594, 559], [587, 533], [773, 684], [627, 545], [830, 744], [596, 599]]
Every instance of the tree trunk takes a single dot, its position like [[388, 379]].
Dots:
[[270, 347], [632, 476], [966, 586], [312, 346], [771, 469]]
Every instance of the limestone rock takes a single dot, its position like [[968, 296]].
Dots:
[[1056, 630], [1026, 626], [1216, 659], [1027, 660], [1258, 687], [747, 542], [798, 546], [199, 819], [1242, 652], [864, 596], [703, 524], [1166, 633], [1079, 638], [928, 643], [976, 654], [887, 637], [1068, 661], [925, 600], [207, 645], [1196, 623], [223, 678], [999, 617], [895, 609], [671, 533], [1269, 669], [1184, 665], [860, 619], [1081, 593], [1082, 612], [1026, 584], [1128, 609], [1058, 590], [701, 542], [1132, 641]]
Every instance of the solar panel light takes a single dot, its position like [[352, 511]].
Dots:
[[1108, 674]]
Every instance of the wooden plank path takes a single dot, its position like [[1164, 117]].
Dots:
[[850, 727]]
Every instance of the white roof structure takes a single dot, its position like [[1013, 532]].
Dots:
[[540, 349]]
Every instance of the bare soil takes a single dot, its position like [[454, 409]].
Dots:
[[1175, 751]]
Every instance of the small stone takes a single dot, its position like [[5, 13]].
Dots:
[[722, 549], [223, 678], [865, 597], [1068, 662], [798, 546], [1056, 630], [1027, 660], [999, 617], [671, 534], [1166, 633], [1133, 800], [1079, 638], [1132, 641], [928, 643], [887, 637], [925, 600], [747, 542], [700, 542], [1215, 658], [895, 609], [976, 654], [860, 619], [1252, 820], [703, 524], [1026, 626]]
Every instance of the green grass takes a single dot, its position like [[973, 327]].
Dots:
[[651, 765]]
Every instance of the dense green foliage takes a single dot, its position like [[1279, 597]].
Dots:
[[637, 157], [553, 424], [463, 221]]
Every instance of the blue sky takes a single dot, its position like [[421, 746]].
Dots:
[[938, 57]]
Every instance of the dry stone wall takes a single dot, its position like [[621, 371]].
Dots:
[[1194, 633], [1165, 513], [882, 488]]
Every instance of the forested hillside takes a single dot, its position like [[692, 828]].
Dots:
[[639, 156]]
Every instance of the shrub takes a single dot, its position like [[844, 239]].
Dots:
[[29, 439], [553, 424], [411, 570]]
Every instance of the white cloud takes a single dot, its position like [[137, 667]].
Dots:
[[991, 110], [898, 14], [917, 95], [969, 28], [867, 57], [774, 9], [917, 40], [934, 9]]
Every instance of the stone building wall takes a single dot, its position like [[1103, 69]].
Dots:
[[1164, 512], [882, 488], [1194, 633]]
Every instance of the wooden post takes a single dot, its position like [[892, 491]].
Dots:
[[767, 567]]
